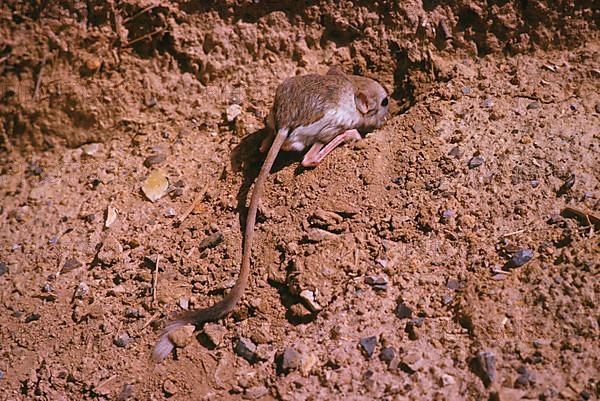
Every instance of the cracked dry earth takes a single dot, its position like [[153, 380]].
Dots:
[[432, 260]]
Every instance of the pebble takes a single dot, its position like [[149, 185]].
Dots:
[[211, 241], [182, 336], [403, 311], [3, 268], [265, 352], [446, 380], [452, 284], [70, 265], [447, 299], [535, 183], [184, 303], [290, 359], [412, 362], [126, 392], [232, 112], [91, 149], [387, 354], [81, 290], [379, 283], [526, 377], [533, 106], [2, 374], [309, 298], [256, 392], [122, 340], [32, 318], [111, 216], [520, 258], [567, 185], [153, 160], [447, 215], [412, 328], [488, 103], [47, 288], [155, 186], [466, 90], [214, 333], [486, 366], [170, 212], [476, 161], [132, 313], [169, 387], [368, 345], [318, 235], [246, 349], [455, 152], [110, 252]]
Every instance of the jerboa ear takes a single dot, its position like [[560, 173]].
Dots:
[[364, 103], [335, 70]]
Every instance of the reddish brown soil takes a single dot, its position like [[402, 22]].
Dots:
[[496, 107]]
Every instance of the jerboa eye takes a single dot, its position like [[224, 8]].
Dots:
[[384, 102]]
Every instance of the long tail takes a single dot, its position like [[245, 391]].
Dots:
[[164, 346]]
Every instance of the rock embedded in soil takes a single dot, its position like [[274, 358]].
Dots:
[[214, 333], [309, 298], [111, 216], [110, 252], [412, 362], [520, 258], [169, 388], [485, 367], [70, 265], [403, 311], [211, 241], [476, 161], [387, 354], [122, 340], [154, 160], [246, 349], [368, 344], [290, 359]]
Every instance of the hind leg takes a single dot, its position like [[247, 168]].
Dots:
[[318, 150]]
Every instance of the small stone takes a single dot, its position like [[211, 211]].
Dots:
[[91, 149], [318, 234], [265, 352], [111, 216], [403, 311], [214, 333], [485, 367], [533, 105], [488, 103], [309, 298], [368, 345], [446, 380], [447, 299], [132, 313], [567, 185], [92, 63], [256, 392], [184, 303], [412, 362], [308, 361], [170, 212], [70, 265], [535, 183], [499, 277], [232, 112], [466, 90], [387, 354], [126, 392], [452, 284], [81, 290], [290, 359], [455, 152], [447, 215], [376, 280], [47, 288], [412, 328], [520, 258], [122, 340], [155, 186], [153, 160], [246, 349], [110, 252], [475, 162], [2, 374], [299, 311], [182, 336], [211, 241], [3, 269], [526, 377], [169, 388], [32, 318]]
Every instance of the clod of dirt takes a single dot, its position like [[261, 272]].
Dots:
[[368, 344], [110, 252], [246, 349], [155, 186], [182, 335], [170, 388], [214, 333]]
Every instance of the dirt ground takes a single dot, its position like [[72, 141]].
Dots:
[[452, 254]]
